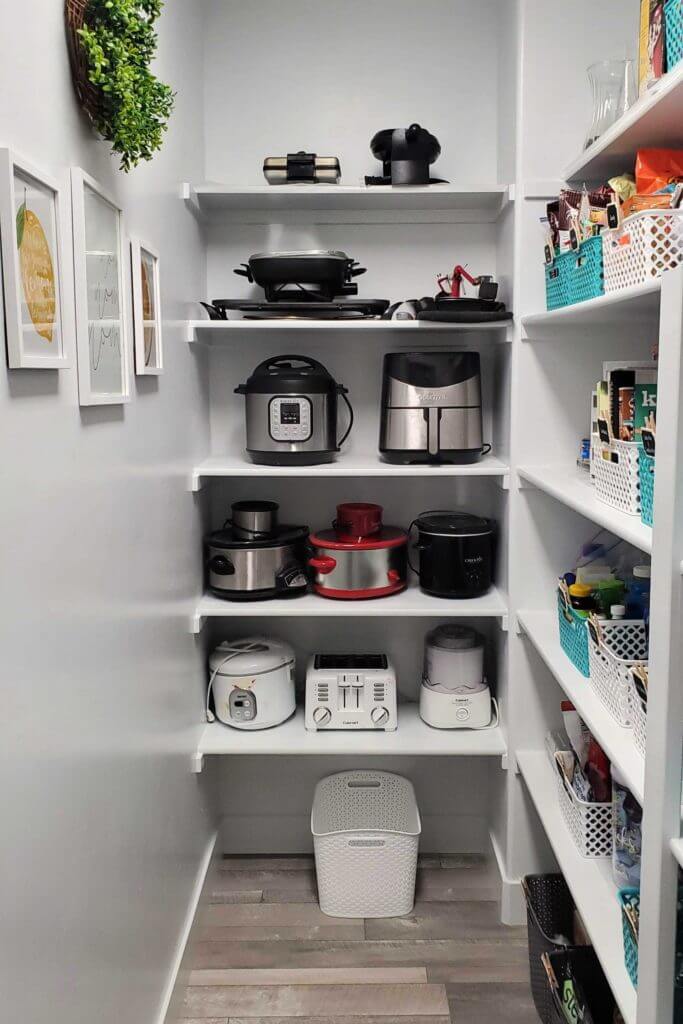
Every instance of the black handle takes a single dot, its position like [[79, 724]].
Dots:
[[342, 391], [246, 272], [279, 360], [215, 313], [221, 566]]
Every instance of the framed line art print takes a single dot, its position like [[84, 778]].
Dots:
[[32, 230], [101, 336], [146, 308]]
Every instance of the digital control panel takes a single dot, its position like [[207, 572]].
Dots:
[[290, 418]]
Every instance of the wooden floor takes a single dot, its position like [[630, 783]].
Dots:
[[265, 953]]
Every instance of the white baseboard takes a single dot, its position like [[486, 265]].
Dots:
[[512, 904], [177, 978]]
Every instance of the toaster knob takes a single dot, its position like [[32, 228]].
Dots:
[[379, 716], [321, 716]]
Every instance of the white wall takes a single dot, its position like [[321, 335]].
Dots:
[[103, 826]]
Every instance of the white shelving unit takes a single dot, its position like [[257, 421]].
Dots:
[[590, 880], [224, 331], [636, 305]]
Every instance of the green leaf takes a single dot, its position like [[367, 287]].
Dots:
[[21, 222]]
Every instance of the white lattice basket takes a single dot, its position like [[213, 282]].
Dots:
[[366, 829], [638, 719], [623, 643], [617, 474], [643, 247], [590, 825]]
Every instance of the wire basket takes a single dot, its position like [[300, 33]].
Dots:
[[622, 644], [645, 245], [590, 824], [581, 963], [630, 898], [366, 830], [89, 95], [617, 474], [646, 472], [576, 275], [638, 718], [673, 13], [573, 635], [549, 914]]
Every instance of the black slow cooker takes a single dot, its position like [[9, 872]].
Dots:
[[455, 554]]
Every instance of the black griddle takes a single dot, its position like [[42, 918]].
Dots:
[[350, 309]]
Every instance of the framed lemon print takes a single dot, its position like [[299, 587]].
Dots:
[[101, 336], [31, 227], [146, 308]]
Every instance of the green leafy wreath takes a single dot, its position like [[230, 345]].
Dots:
[[119, 41]]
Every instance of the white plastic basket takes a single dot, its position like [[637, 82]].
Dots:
[[643, 247], [366, 829], [617, 474], [590, 825], [623, 644], [638, 719]]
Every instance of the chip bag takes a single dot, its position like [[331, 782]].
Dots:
[[658, 169]]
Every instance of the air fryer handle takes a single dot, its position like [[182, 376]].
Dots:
[[433, 420]]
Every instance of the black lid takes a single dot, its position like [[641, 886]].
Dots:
[[453, 524], [227, 539], [451, 637], [283, 375], [431, 369]]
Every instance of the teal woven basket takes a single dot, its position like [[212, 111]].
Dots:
[[673, 12], [646, 471], [556, 290], [630, 898], [575, 276], [573, 636]]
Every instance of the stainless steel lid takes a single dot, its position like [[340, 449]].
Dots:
[[300, 254]]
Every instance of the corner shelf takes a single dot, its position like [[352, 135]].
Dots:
[[468, 202], [410, 603], [412, 738], [655, 119], [571, 486], [225, 466], [589, 879], [221, 331], [629, 307], [542, 630]]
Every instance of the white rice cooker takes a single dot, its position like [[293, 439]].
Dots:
[[252, 682], [454, 693]]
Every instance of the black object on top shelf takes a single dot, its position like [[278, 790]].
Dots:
[[406, 155]]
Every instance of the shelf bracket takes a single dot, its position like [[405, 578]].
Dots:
[[508, 763], [195, 481], [504, 482], [505, 622], [197, 763], [191, 200], [197, 621], [190, 333]]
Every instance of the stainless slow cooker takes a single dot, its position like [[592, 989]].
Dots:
[[253, 558], [291, 412]]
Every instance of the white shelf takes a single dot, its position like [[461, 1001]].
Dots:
[[636, 305], [572, 487], [411, 738], [656, 119], [409, 603], [470, 201], [617, 742], [346, 466], [590, 881], [221, 331]]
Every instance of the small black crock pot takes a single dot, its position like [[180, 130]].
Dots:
[[455, 552]]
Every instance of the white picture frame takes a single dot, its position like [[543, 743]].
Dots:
[[101, 309], [32, 265], [144, 262]]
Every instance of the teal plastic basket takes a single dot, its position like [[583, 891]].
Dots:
[[673, 12], [646, 472], [556, 290], [575, 276], [630, 898], [573, 636]]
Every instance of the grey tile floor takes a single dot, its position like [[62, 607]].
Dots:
[[265, 954]]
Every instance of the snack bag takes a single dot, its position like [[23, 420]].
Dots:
[[658, 169]]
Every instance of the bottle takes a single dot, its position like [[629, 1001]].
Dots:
[[581, 597], [617, 611], [607, 593], [638, 594]]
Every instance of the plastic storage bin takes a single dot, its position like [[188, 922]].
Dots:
[[646, 471], [673, 13], [582, 963], [638, 718], [623, 644], [590, 825], [576, 275], [549, 913], [630, 898], [573, 635], [366, 830], [617, 474], [643, 247]]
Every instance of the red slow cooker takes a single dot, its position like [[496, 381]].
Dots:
[[359, 558]]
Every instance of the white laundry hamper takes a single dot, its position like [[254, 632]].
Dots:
[[366, 830]]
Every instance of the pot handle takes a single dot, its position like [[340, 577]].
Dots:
[[342, 392], [323, 565], [221, 566], [416, 545]]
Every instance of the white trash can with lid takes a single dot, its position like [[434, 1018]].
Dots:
[[366, 829]]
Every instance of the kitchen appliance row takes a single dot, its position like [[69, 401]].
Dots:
[[254, 557], [252, 682]]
